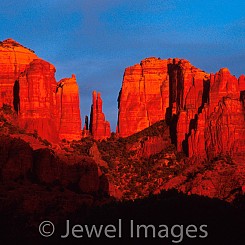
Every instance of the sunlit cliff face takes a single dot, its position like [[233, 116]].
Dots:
[[28, 84], [204, 111], [13, 59], [99, 127]]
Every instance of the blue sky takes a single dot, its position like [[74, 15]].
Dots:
[[98, 39]]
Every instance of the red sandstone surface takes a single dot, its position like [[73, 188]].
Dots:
[[67, 99], [19, 161], [99, 127], [144, 96], [13, 60], [205, 111], [204, 116], [220, 127], [28, 84]]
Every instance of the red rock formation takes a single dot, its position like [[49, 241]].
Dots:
[[222, 84], [221, 180], [241, 83], [226, 130], [222, 132], [153, 145], [221, 124], [48, 168], [188, 93], [205, 111], [99, 127], [18, 161], [85, 131], [69, 119], [13, 60], [196, 140], [28, 84], [144, 96], [37, 101], [15, 159], [153, 86], [150, 141], [220, 127]]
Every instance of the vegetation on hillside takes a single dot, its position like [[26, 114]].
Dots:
[[134, 175], [9, 125]]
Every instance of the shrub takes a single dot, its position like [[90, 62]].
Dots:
[[45, 142], [7, 109]]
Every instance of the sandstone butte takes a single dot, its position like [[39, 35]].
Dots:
[[205, 111], [28, 84], [99, 127]]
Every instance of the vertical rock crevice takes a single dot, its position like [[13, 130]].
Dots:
[[16, 96], [205, 112], [29, 85]]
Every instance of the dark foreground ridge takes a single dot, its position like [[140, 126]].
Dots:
[[224, 223]]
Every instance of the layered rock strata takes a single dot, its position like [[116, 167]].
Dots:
[[205, 111], [28, 84]]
